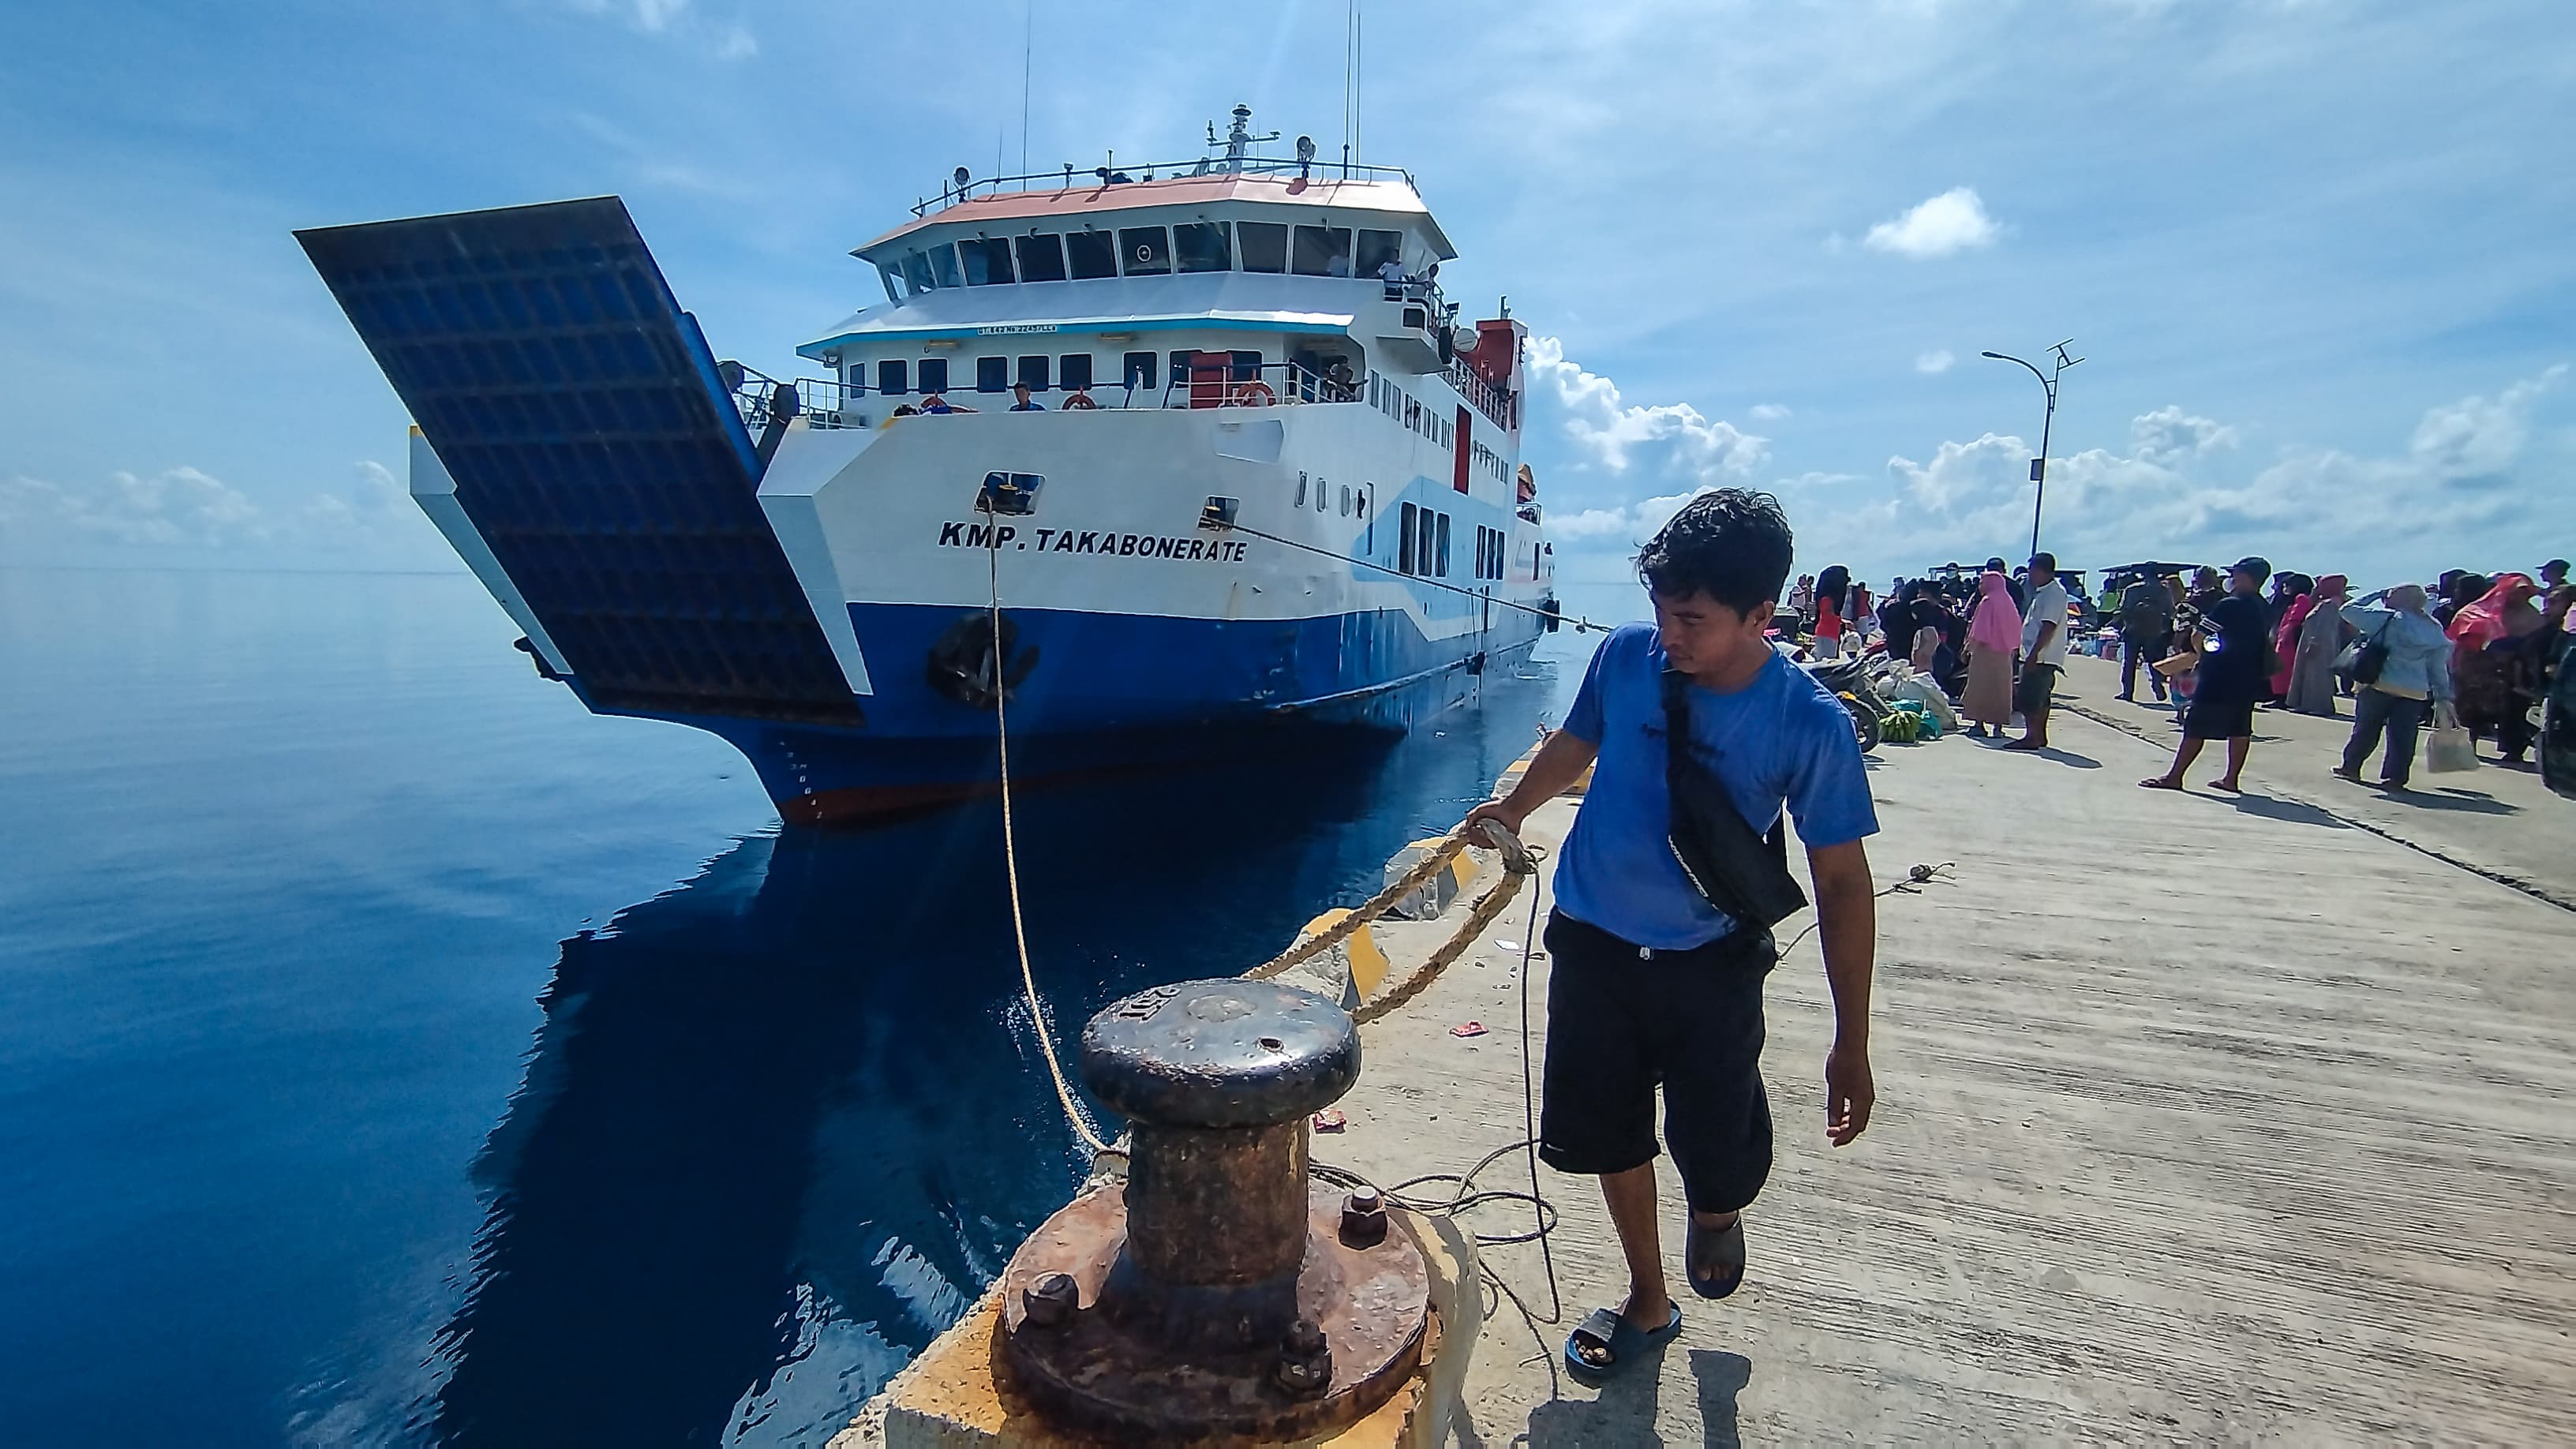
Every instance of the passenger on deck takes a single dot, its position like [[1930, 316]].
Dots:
[[937, 404], [1021, 402], [1337, 381]]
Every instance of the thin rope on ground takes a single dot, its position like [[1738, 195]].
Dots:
[[1916, 877]]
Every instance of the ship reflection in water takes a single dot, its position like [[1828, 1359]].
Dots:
[[783, 1123]]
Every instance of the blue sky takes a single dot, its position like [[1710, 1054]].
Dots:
[[2316, 252]]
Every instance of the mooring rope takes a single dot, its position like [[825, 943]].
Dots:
[[1073, 1113]]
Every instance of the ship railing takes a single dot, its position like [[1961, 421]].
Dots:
[[825, 403], [820, 401], [1067, 177], [1233, 384], [1481, 395]]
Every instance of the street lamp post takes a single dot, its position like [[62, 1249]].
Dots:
[[2047, 424]]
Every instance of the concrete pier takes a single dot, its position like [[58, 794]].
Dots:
[[2201, 1119]]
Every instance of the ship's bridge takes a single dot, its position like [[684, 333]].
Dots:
[[1322, 273]]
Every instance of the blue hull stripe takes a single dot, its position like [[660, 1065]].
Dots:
[[1105, 693]]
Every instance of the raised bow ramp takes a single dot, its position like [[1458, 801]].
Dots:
[[595, 453]]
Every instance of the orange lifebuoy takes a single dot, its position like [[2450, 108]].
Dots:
[[1079, 402], [1253, 394]]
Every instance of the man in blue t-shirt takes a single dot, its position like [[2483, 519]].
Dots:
[[1650, 983]]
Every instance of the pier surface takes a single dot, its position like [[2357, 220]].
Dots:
[[2200, 1119]]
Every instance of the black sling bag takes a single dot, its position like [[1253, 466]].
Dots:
[[1742, 873]]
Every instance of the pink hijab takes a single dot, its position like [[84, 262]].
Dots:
[[1997, 624]]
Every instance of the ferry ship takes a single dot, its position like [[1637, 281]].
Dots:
[[1208, 433]]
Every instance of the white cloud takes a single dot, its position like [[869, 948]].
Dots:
[[650, 16], [1669, 452], [2171, 437], [1952, 221], [175, 507], [2173, 495], [736, 43], [1937, 360], [2474, 438], [1621, 436], [186, 511], [1767, 412]]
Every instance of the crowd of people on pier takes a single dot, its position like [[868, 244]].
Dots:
[[2474, 652]]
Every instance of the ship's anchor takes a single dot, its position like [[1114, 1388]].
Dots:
[[963, 662]]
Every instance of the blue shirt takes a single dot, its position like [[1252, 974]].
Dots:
[[1781, 739]]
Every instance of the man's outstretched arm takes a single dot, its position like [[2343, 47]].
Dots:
[[1847, 924], [1559, 763]]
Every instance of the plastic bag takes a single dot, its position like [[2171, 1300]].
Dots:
[[1921, 689], [2452, 751]]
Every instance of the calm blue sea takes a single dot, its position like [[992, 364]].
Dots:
[[393, 1052]]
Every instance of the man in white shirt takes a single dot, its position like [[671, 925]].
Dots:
[[2043, 651]]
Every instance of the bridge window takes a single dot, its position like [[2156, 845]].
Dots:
[[1264, 244], [1092, 254], [1033, 371], [1200, 246], [943, 267], [1444, 545], [1323, 251], [934, 374], [992, 374], [1139, 371], [1377, 248], [1145, 250], [916, 272], [890, 377], [1074, 371], [1041, 257], [988, 260], [1404, 520], [1247, 365], [893, 282]]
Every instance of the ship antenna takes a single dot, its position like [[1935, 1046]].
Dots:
[[1028, 50], [1350, 66]]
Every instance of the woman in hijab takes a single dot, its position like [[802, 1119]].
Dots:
[[1833, 594], [2299, 591], [2496, 661], [2414, 679], [2312, 655], [1993, 636]]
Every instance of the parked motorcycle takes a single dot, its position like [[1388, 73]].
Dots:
[[1851, 682]]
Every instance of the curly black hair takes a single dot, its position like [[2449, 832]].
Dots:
[[1731, 544]]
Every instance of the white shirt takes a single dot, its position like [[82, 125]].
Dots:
[[2047, 605]]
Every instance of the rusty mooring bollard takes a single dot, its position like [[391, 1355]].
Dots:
[[1220, 1292]]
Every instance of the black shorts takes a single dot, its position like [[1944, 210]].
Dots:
[[2031, 695], [1620, 1023]]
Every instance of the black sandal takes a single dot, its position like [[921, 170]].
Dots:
[[1720, 1251], [1611, 1333]]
